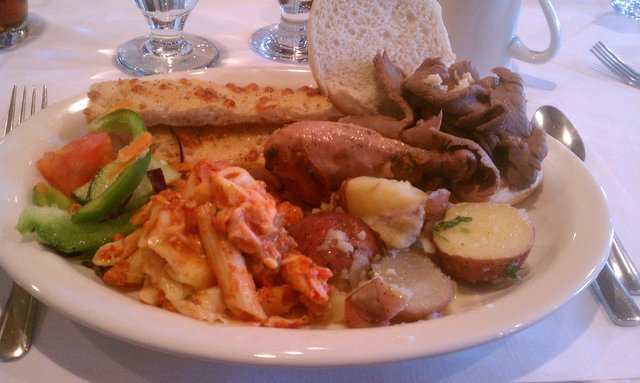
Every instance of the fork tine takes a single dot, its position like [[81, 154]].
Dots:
[[604, 59], [12, 109], [612, 65], [12, 115], [23, 105], [613, 62], [33, 101], [618, 60], [45, 97]]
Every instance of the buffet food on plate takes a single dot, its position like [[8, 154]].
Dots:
[[362, 203]]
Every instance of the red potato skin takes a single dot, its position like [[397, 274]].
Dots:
[[435, 207], [373, 303], [310, 233], [478, 271]]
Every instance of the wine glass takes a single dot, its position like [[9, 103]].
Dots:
[[287, 40], [167, 48]]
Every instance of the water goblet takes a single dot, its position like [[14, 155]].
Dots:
[[166, 48], [629, 8], [14, 25], [287, 40]]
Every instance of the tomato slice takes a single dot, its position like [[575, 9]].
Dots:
[[77, 162]]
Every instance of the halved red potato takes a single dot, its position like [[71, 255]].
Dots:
[[339, 241], [428, 289], [393, 209], [483, 242]]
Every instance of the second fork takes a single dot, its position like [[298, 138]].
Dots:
[[19, 314], [616, 65]]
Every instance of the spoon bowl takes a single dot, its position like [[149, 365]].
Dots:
[[619, 276], [558, 126]]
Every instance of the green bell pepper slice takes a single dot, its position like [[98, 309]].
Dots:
[[55, 228], [119, 121], [120, 190], [115, 195]]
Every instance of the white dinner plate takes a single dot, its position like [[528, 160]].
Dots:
[[569, 211]]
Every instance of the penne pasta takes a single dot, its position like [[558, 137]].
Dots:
[[212, 249], [227, 262]]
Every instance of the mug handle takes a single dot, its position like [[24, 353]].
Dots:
[[518, 50]]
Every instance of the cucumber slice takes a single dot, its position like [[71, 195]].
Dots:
[[46, 195], [104, 178], [144, 191], [81, 194], [169, 173]]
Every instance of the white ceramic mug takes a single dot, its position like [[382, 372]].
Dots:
[[483, 31]]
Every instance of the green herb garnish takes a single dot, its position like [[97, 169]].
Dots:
[[512, 271], [445, 225]]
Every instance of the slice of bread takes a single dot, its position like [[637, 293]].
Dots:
[[193, 102], [345, 35], [239, 145]]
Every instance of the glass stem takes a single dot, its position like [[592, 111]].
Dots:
[[292, 32], [292, 26], [167, 38]]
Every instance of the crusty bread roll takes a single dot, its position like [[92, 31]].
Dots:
[[192, 102], [345, 35]]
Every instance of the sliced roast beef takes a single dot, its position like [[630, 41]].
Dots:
[[436, 88], [312, 158], [485, 179], [490, 111]]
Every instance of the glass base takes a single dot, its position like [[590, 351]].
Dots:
[[12, 36], [275, 43], [135, 56]]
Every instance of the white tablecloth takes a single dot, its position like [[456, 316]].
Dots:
[[72, 44]]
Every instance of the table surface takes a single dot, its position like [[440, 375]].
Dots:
[[72, 44]]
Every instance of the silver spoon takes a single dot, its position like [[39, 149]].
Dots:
[[619, 276]]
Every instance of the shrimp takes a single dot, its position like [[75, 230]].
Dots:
[[305, 276], [244, 211]]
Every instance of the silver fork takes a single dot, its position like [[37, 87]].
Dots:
[[616, 65], [19, 313], [620, 262]]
